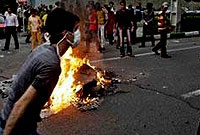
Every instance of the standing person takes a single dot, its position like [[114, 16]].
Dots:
[[101, 23], [132, 17], [27, 14], [11, 25], [164, 27], [123, 23], [20, 13], [110, 26], [111, 5], [93, 28], [38, 76], [148, 26], [35, 25]]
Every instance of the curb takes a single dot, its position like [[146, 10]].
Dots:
[[174, 35], [180, 35]]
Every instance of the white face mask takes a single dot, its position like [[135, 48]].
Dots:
[[77, 39]]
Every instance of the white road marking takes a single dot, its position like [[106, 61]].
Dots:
[[144, 54], [191, 94]]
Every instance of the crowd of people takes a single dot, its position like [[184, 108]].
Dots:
[[99, 23]]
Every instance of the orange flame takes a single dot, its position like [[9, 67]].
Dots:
[[65, 89]]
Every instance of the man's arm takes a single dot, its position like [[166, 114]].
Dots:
[[19, 108]]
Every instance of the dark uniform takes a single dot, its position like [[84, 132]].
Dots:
[[148, 27]]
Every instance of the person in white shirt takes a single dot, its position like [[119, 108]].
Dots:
[[11, 25]]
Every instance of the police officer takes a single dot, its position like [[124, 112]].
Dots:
[[164, 27]]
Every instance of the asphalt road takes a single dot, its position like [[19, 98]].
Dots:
[[163, 101]]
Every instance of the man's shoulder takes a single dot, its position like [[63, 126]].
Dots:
[[46, 49], [45, 54]]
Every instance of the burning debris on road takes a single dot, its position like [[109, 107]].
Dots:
[[90, 96], [80, 84]]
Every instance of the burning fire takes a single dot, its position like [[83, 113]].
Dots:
[[67, 86]]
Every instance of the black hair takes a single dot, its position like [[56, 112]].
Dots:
[[59, 20], [149, 5], [130, 6], [123, 1], [57, 3], [98, 6], [112, 3], [50, 7], [33, 11]]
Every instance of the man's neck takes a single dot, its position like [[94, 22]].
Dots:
[[62, 48]]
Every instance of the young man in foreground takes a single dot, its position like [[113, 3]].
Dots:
[[38, 76]]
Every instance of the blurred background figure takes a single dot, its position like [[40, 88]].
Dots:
[[148, 24], [110, 26], [93, 28], [35, 25], [164, 27], [2, 26], [101, 20], [11, 27], [123, 22]]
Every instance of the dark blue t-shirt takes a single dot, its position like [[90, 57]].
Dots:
[[41, 70]]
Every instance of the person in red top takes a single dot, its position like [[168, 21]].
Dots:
[[110, 25], [93, 28]]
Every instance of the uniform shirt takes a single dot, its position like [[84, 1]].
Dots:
[[163, 22], [11, 20], [41, 70], [148, 16], [35, 23]]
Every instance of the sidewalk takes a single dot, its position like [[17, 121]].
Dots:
[[175, 35]]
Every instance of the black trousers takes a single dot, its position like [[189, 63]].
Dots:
[[162, 44], [11, 30], [145, 33]]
